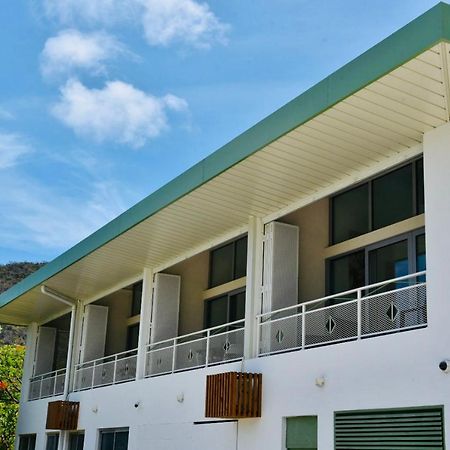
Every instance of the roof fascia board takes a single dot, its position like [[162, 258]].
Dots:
[[416, 37]]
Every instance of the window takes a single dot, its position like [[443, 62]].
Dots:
[[225, 309], [394, 428], [132, 336], [52, 442], [76, 441], [114, 439], [380, 202], [301, 433], [385, 260], [136, 299], [27, 442], [228, 263]]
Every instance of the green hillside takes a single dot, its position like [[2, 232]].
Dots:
[[11, 274]]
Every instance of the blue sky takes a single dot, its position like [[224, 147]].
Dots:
[[104, 101]]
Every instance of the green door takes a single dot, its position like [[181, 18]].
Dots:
[[301, 433]]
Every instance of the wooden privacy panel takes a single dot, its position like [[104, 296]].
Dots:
[[233, 395], [62, 415]]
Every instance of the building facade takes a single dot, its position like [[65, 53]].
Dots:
[[311, 250]]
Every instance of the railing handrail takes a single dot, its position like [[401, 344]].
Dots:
[[206, 330], [114, 357], [52, 373], [340, 294]]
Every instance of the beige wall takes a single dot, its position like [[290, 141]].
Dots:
[[312, 221], [194, 280], [119, 309]]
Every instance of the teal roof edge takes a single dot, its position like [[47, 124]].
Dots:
[[417, 36]]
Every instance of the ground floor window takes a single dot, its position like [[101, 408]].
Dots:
[[52, 442], [301, 433], [76, 441], [114, 439], [27, 442], [393, 428]]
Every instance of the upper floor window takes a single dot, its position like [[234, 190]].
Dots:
[[227, 308], [27, 442], [228, 263], [382, 201], [114, 439], [136, 299]]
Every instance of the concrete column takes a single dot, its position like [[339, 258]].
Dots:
[[76, 343], [28, 361], [254, 282], [145, 322]]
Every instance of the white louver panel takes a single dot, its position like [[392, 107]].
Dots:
[[166, 305], [45, 350], [95, 322], [280, 279]]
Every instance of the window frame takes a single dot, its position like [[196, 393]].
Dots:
[[111, 430], [75, 433], [410, 237], [228, 294], [52, 435], [232, 242], [28, 436], [369, 181]]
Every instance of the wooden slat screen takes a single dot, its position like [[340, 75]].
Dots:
[[396, 429], [233, 395], [62, 415]]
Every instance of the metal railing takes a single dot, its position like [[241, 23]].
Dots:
[[387, 307], [216, 345], [47, 384], [113, 369]]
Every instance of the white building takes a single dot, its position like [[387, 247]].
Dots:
[[325, 210]]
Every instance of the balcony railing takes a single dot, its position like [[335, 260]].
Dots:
[[216, 345], [47, 384], [381, 308], [118, 368]]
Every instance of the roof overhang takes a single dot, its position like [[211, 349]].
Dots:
[[364, 117]]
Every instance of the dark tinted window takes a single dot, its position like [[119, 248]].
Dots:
[[222, 265], [347, 272], [76, 441], [27, 442], [421, 259], [52, 442], [350, 212], [217, 311], [419, 187], [392, 197], [136, 299], [114, 440], [228, 262], [132, 337], [390, 261], [237, 306], [240, 260]]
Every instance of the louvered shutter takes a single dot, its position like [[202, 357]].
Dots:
[[45, 350], [95, 322], [166, 305], [395, 429]]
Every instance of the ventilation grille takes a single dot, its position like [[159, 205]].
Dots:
[[420, 428]]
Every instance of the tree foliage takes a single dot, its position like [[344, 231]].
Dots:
[[11, 365]]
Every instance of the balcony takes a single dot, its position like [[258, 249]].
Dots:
[[113, 369], [382, 308], [47, 384], [216, 345]]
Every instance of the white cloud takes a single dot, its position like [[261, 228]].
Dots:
[[164, 22], [12, 148], [118, 112], [70, 50], [186, 21], [5, 114]]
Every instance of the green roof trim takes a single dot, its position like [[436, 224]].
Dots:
[[418, 36]]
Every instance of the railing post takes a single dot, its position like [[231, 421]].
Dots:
[[258, 336], [40, 389], [359, 312], [208, 334], [174, 354], [93, 374], [303, 326], [114, 369]]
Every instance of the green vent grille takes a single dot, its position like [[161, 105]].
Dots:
[[394, 429]]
